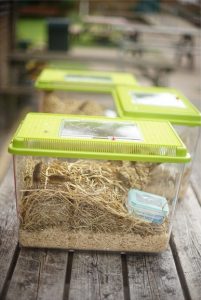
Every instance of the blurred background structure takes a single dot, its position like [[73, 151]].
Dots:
[[156, 40]]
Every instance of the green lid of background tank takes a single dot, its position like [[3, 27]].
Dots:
[[157, 103], [52, 79], [57, 135]]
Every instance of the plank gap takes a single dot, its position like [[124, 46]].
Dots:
[[40, 271], [125, 277], [196, 192], [68, 275], [180, 271], [10, 273]]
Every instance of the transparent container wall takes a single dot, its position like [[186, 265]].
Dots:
[[95, 204], [79, 103], [190, 136]]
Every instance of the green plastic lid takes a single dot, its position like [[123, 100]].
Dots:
[[54, 79], [57, 135], [157, 103]]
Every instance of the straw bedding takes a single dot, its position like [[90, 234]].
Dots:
[[82, 204], [54, 104]]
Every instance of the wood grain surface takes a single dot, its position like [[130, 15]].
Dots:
[[58, 274], [186, 244], [96, 276]]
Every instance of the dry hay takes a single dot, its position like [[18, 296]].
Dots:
[[53, 104], [86, 196]]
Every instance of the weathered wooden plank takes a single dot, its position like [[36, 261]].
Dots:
[[52, 275], [25, 279], [186, 244], [39, 274], [96, 276], [153, 277], [8, 228]]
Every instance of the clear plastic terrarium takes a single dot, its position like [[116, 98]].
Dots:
[[155, 103], [80, 92], [96, 183]]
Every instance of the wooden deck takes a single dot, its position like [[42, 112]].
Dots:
[[27, 274]]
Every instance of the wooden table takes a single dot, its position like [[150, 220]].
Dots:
[[172, 26], [168, 20], [27, 274], [155, 67], [105, 20]]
